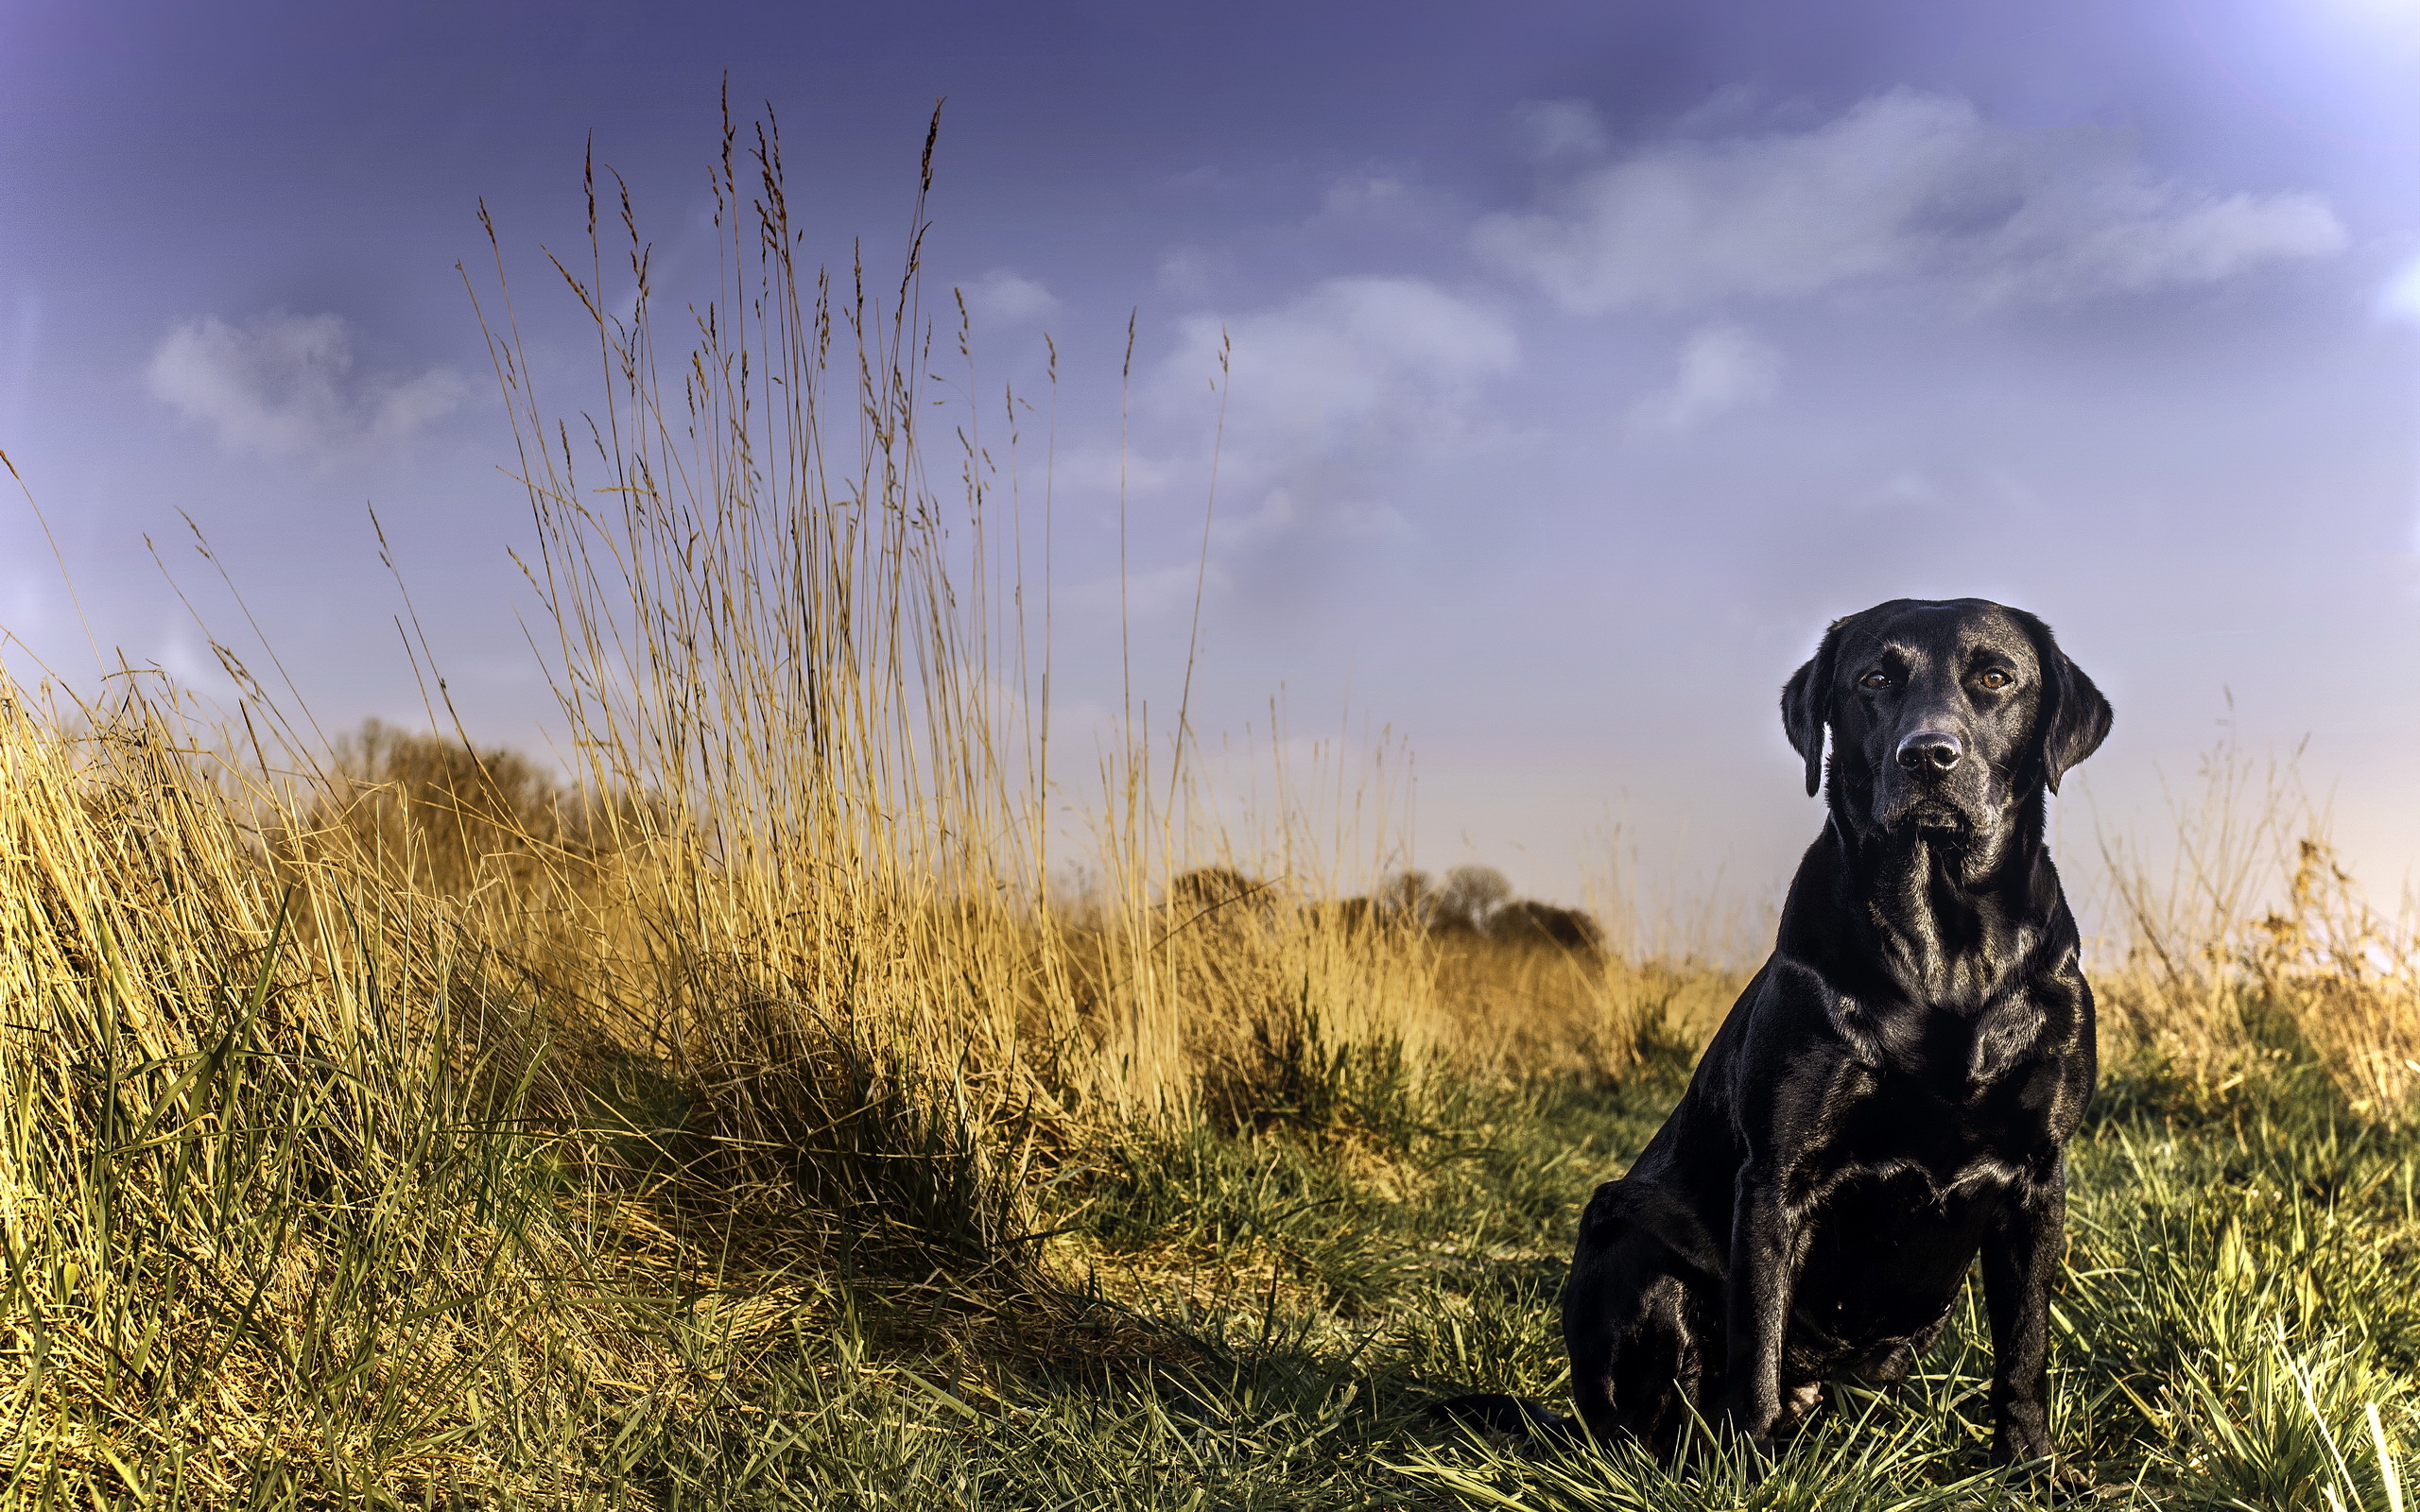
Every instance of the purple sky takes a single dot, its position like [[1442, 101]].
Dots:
[[1587, 358]]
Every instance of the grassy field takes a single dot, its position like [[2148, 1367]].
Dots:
[[753, 1117]]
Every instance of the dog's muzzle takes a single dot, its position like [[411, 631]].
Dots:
[[1935, 786]]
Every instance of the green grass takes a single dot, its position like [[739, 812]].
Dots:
[[1237, 1313], [2241, 1284], [1269, 1309]]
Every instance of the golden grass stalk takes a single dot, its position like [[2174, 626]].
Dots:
[[2257, 950]]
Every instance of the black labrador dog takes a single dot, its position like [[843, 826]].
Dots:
[[1893, 1092]]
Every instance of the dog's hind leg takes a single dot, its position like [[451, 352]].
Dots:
[[1630, 1320]]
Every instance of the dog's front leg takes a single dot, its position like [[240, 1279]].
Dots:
[[1764, 1251], [2020, 1256]]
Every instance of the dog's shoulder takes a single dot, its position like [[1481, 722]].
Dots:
[[1787, 1018]]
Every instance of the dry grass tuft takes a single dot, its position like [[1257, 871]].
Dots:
[[2256, 950]]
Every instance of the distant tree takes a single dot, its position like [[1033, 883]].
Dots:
[[1349, 916], [1528, 921], [450, 815], [1470, 897], [1211, 887], [1408, 895], [1473, 901]]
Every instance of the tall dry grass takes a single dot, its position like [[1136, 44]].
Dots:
[[2248, 947], [379, 1120], [275, 1180]]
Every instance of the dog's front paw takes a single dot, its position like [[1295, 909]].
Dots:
[[1798, 1402]]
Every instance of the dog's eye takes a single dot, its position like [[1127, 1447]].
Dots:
[[1995, 679], [1875, 679]]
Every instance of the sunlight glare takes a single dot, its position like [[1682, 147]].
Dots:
[[2400, 18]]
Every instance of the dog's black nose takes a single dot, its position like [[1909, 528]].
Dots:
[[1930, 750]]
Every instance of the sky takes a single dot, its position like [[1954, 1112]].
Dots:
[[1584, 360]]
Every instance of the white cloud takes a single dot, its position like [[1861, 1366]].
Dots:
[[1560, 129], [1192, 273], [1149, 594], [283, 386], [2400, 299], [25, 604], [1368, 193], [1353, 361], [1002, 298], [1904, 185], [1277, 517], [1722, 367], [196, 669], [1329, 398]]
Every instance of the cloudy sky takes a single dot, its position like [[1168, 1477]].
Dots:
[[1586, 359]]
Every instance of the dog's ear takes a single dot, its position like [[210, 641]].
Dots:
[[2075, 717], [1806, 707]]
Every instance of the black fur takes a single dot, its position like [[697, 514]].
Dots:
[[1892, 1094]]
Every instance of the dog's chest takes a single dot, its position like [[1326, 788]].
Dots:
[[1897, 1200], [1960, 1052], [1931, 1175], [1888, 1245], [1946, 1115]]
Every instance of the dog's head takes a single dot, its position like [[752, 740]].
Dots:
[[1943, 715]]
